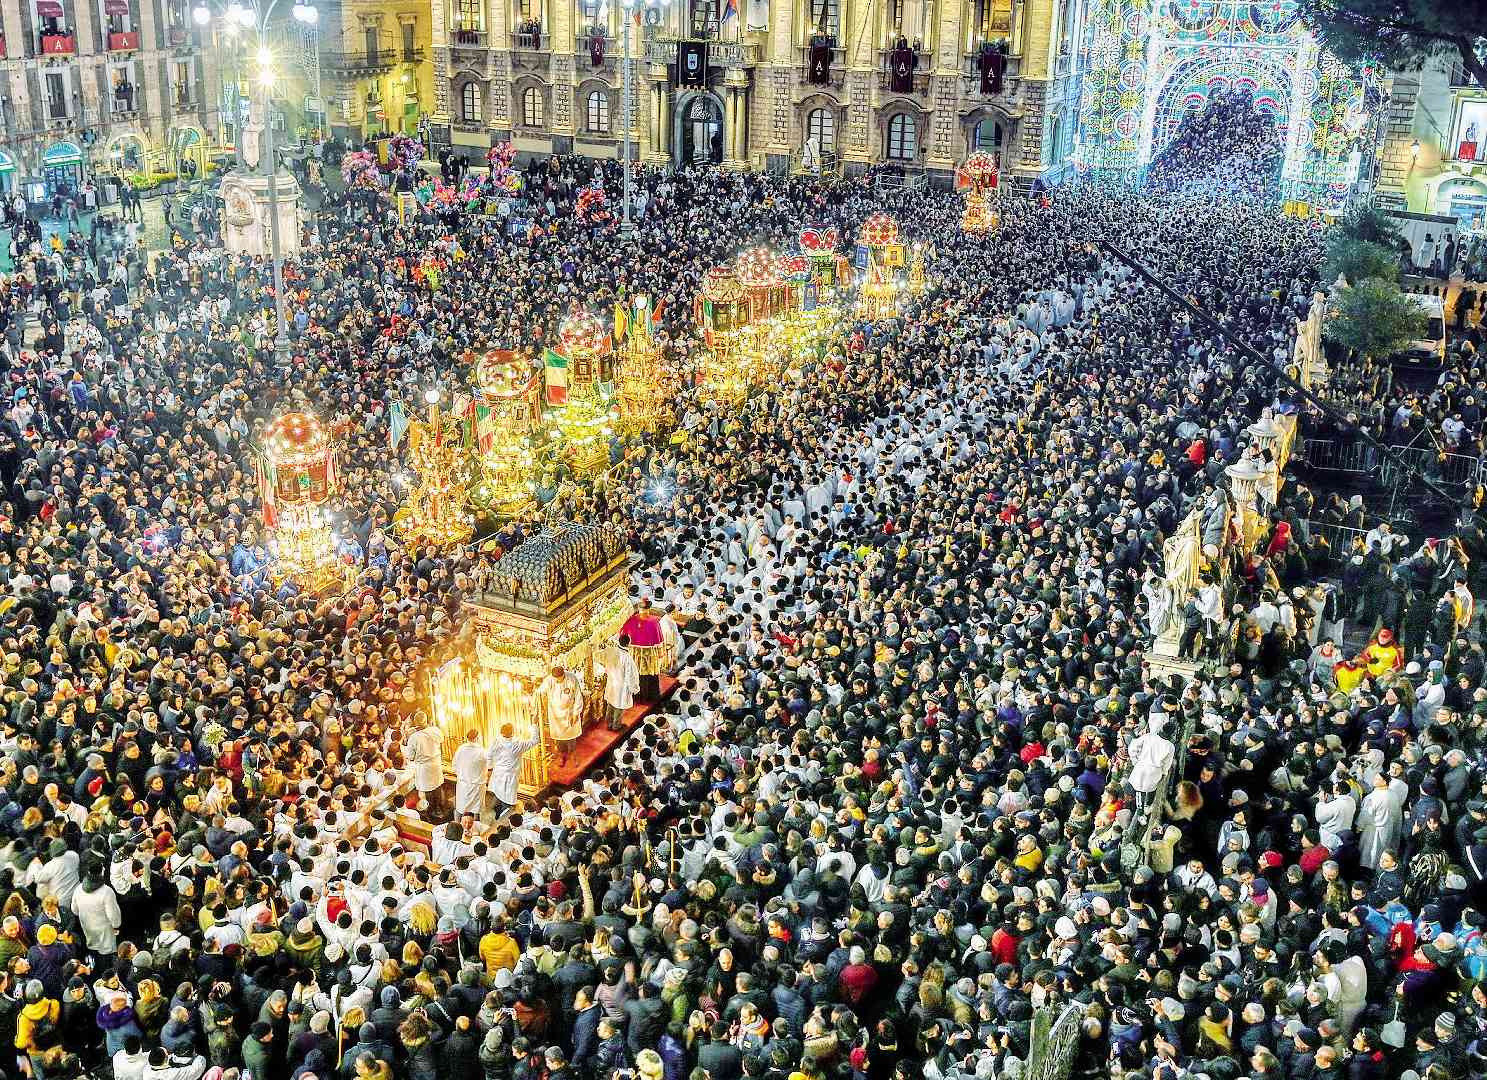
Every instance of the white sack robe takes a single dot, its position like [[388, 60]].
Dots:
[[562, 702], [425, 752], [469, 778], [504, 759], [621, 678]]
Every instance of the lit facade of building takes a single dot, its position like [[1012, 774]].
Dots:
[[548, 74], [1434, 154], [101, 85], [376, 66]]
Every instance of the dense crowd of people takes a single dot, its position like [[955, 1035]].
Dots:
[[880, 821], [1228, 149]]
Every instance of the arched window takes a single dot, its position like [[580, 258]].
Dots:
[[820, 128], [1055, 139], [531, 107], [598, 112], [989, 136], [470, 102], [903, 138]]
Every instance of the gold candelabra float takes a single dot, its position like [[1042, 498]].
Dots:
[[762, 276], [296, 478], [580, 431], [505, 423], [879, 295], [978, 178], [640, 382], [581, 415], [916, 269], [435, 514], [721, 312]]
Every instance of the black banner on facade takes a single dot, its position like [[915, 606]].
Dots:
[[820, 64], [691, 63]]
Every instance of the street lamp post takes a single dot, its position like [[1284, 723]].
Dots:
[[257, 18], [626, 226]]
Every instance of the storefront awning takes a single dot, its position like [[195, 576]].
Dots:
[[49, 9], [7, 163], [62, 153], [116, 7]]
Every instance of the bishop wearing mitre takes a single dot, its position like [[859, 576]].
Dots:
[[560, 700]]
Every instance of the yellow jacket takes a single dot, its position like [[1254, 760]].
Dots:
[[499, 951], [48, 1009]]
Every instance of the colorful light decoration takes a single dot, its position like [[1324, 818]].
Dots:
[[506, 416], [763, 279], [297, 476], [916, 270], [435, 515], [978, 178]]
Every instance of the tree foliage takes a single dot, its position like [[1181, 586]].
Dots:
[[1371, 225], [1375, 319], [1402, 34], [1360, 260]]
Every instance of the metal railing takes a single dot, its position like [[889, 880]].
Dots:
[[362, 60], [662, 50], [1444, 467], [1342, 540], [828, 163]]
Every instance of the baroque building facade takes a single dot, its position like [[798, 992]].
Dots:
[[783, 85], [101, 86]]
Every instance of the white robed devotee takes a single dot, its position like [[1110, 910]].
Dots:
[[424, 751], [469, 775], [504, 759], [621, 682], [560, 697], [1151, 758], [1380, 820]]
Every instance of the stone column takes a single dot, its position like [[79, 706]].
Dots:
[[659, 152], [733, 118], [1245, 476]]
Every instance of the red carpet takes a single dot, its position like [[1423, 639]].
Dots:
[[598, 741]]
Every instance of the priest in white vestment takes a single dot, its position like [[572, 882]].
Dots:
[[469, 776]]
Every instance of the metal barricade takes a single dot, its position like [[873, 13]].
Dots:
[[1445, 468], [1341, 540], [1329, 455]]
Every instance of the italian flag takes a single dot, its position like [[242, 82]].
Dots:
[[555, 375]]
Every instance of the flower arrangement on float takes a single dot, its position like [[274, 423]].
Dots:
[[359, 170]]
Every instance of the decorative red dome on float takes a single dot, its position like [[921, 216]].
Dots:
[[981, 169], [720, 285], [819, 239], [758, 269], [797, 266], [582, 332], [295, 437], [501, 373], [880, 230]]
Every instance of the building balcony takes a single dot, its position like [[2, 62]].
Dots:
[[971, 72], [187, 104], [662, 50], [413, 55], [58, 45], [177, 36], [530, 41], [56, 111], [127, 41], [368, 62], [838, 72], [461, 38], [123, 110], [923, 63]]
